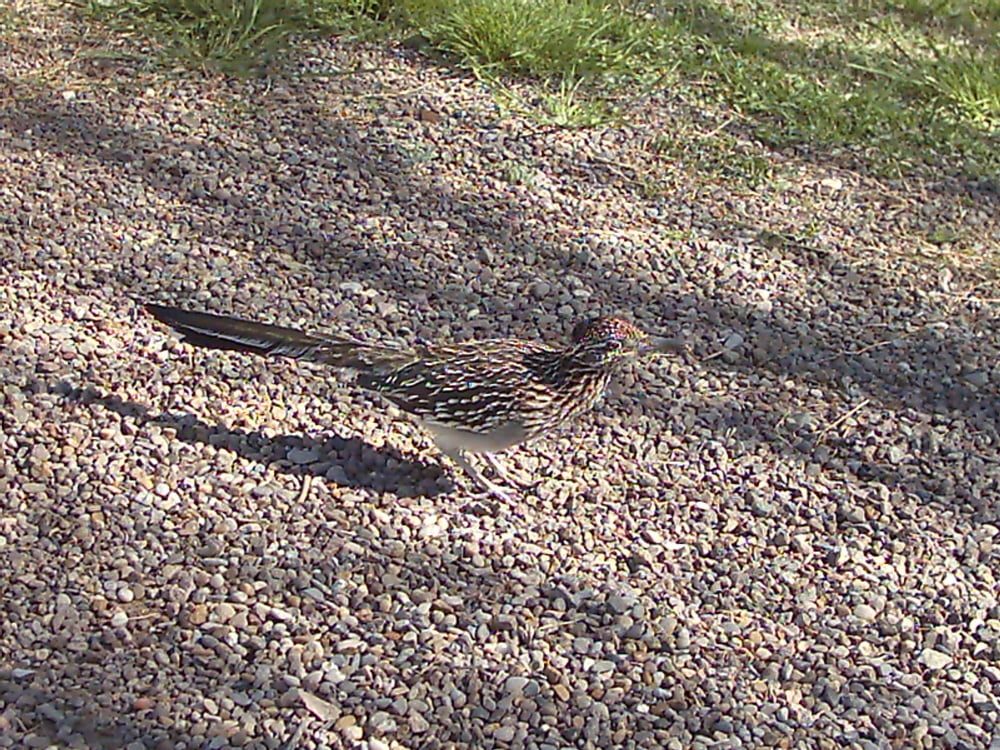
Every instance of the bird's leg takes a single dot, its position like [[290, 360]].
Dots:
[[485, 484], [503, 473]]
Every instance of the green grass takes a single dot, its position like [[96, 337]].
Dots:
[[899, 84], [227, 34], [578, 52], [538, 38]]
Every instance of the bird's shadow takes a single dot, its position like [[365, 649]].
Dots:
[[344, 461]]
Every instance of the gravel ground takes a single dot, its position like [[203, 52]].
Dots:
[[787, 537]]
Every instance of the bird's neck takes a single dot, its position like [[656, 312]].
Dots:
[[575, 365]]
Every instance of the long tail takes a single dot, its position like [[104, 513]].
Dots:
[[233, 334]]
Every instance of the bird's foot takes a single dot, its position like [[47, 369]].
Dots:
[[505, 475], [487, 501], [495, 492], [490, 490]]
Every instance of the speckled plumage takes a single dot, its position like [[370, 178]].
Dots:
[[484, 385], [481, 396]]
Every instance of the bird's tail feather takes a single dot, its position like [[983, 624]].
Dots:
[[233, 334]]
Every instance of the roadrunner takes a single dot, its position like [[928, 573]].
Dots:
[[476, 397]]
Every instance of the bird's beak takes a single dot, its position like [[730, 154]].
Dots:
[[661, 344]]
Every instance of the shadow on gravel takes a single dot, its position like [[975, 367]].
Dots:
[[347, 462], [61, 718]]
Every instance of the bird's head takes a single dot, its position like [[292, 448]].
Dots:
[[605, 342]]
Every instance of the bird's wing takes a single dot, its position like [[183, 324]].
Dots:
[[472, 386]]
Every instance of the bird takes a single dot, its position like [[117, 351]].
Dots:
[[478, 397]]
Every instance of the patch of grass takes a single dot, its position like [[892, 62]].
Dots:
[[575, 51], [566, 104], [975, 18], [961, 80], [866, 77], [715, 155], [899, 83], [234, 35], [367, 18], [518, 173], [226, 34], [540, 38]]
